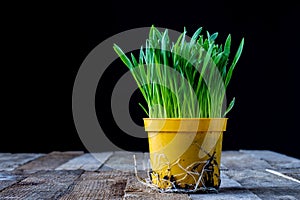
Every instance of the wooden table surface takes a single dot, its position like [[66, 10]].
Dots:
[[75, 175]]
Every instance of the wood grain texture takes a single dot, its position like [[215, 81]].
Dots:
[[276, 160], [49, 161], [9, 162], [240, 160], [136, 191], [98, 185], [8, 178], [41, 185], [87, 162], [229, 190], [293, 172], [122, 160], [74, 175], [155, 196], [265, 185]]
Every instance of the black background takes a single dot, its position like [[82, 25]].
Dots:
[[44, 46]]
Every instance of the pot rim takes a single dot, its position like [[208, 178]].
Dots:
[[217, 118], [185, 124]]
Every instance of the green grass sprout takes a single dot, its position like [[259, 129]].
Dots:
[[183, 79]]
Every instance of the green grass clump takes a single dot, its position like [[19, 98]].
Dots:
[[185, 79]]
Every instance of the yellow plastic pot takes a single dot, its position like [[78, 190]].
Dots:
[[185, 153]]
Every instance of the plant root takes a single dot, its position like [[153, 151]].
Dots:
[[188, 171]]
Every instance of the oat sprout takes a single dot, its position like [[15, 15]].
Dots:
[[200, 62]]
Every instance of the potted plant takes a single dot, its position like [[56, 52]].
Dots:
[[184, 84]]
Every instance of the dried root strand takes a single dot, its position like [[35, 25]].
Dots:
[[173, 188]]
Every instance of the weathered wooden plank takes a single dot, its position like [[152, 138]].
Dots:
[[277, 193], [227, 194], [155, 196], [266, 185], [244, 176], [124, 161], [9, 162], [135, 191], [270, 155], [41, 185], [4, 155], [49, 161], [276, 160], [133, 185], [229, 190], [87, 162], [259, 178], [8, 178], [294, 172], [227, 182], [239, 161], [98, 185]]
